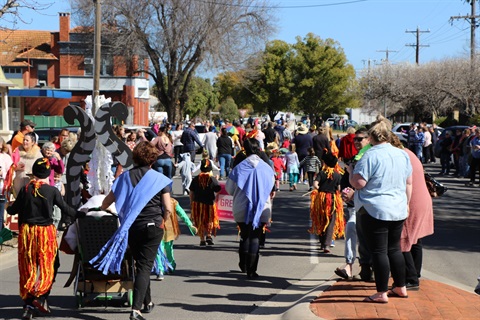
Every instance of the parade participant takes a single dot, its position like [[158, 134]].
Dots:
[[172, 231], [251, 184], [202, 200], [142, 200], [278, 167], [26, 126], [293, 167], [312, 164], [37, 240], [326, 208], [383, 183], [23, 158]]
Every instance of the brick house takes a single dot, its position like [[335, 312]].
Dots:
[[53, 69]]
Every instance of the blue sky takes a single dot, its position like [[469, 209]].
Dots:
[[364, 29]]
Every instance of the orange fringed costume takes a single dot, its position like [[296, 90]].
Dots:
[[203, 208], [324, 204], [37, 248]]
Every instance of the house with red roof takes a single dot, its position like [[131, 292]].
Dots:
[[51, 70]]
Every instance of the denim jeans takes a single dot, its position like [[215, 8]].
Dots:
[[350, 236], [224, 160], [164, 166]]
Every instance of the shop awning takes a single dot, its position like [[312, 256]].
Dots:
[[40, 93]]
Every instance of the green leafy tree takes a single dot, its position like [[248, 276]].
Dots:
[[235, 85], [323, 78], [202, 98], [229, 109], [273, 84]]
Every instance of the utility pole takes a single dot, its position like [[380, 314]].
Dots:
[[473, 25], [386, 54], [97, 56], [417, 45]]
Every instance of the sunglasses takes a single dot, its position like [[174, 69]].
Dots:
[[358, 139]]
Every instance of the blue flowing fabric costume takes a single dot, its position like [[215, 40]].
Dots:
[[257, 183], [129, 202]]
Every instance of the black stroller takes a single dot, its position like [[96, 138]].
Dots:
[[93, 232]]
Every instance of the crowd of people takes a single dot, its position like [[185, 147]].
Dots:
[[364, 187]]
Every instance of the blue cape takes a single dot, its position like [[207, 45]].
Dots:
[[129, 202], [257, 183]]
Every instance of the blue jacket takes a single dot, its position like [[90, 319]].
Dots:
[[188, 139]]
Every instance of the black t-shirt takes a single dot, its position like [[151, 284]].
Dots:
[[207, 195], [327, 185], [38, 210], [224, 145], [152, 212]]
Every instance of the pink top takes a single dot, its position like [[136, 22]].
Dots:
[[419, 223]]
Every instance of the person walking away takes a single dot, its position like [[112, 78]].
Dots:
[[164, 146], [312, 166], [278, 167], [171, 233], [326, 208], [189, 138], [383, 183], [202, 200], [445, 153], [142, 200], [224, 153], [211, 142], [251, 183], [37, 241], [475, 164]]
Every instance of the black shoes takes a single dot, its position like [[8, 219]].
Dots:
[[149, 307], [135, 315], [210, 241], [28, 312], [252, 275]]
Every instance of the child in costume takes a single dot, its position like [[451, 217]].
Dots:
[[278, 167], [202, 200], [206, 155], [186, 167], [37, 240], [293, 167], [326, 207], [171, 233]]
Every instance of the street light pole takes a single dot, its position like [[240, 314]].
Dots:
[[97, 55]]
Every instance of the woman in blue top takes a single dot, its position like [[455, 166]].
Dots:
[[383, 182]]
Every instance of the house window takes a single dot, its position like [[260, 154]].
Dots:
[[12, 73], [42, 73], [106, 68]]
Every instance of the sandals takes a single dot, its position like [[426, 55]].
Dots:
[[393, 294], [342, 273], [373, 300]]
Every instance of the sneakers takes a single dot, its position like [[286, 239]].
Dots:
[[160, 276], [203, 243], [332, 244]]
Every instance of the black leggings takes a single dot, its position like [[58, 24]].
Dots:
[[383, 241], [143, 246], [249, 249]]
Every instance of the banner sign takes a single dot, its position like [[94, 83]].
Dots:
[[224, 203]]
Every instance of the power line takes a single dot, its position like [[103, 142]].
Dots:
[[282, 7]]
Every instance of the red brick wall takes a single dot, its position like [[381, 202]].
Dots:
[[64, 26]]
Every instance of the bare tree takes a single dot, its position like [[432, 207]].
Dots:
[[180, 36], [10, 11]]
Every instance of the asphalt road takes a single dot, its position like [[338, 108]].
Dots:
[[208, 285]]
